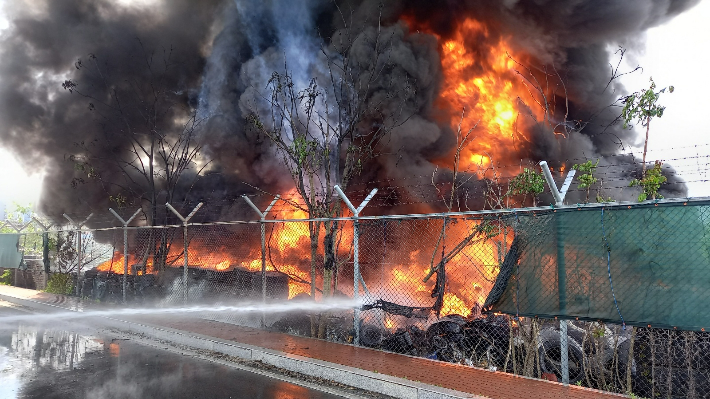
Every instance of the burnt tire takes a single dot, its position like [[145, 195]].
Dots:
[[550, 355], [370, 336]]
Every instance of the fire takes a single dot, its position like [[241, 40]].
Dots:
[[115, 264], [480, 78], [288, 242], [403, 283], [455, 305], [483, 82], [389, 323], [223, 265], [114, 349], [469, 274]]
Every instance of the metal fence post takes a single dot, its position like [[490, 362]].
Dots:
[[45, 246], [80, 250], [184, 234], [45, 249], [262, 218], [125, 246], [561, 272], [357, 277]]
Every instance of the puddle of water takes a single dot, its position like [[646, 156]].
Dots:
[[48, 363], [27, 351]]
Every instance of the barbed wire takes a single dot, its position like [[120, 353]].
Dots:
[[424, 191], [349, 218]]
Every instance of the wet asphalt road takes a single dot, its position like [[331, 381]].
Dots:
[[53, 361]]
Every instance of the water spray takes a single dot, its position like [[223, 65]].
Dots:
[[248, 307]]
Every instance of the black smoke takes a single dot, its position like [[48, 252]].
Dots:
[[226, 50]]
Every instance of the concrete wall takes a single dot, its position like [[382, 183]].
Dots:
[[33, 278]]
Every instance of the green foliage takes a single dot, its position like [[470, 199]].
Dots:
[[489, 229], [599, 332], [119, 199], [254, 120], [85, 168], [587, 169], [6, 277], [642, 105], [31, 242], [17, 216], [527, 182], [303, 149], [586, 177], [60, 283], [650, 183], [602, 199]]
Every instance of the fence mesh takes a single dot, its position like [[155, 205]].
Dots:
[[480, 289], [639, 265]]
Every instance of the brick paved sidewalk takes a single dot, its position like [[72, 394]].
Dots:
[[495, 385]]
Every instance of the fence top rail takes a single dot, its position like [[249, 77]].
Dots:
[[482, 214]]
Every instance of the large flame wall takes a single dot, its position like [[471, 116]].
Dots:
[[395, 257]]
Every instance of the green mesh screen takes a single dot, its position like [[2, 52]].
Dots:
[[10, 256], [643, 264]]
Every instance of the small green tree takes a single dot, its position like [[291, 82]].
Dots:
[[650, 183], [643, 106], [528, 182], [586, 177]]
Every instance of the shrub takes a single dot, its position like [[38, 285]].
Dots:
[[60, 283], [6, 277], [650, 183], [527, 182]]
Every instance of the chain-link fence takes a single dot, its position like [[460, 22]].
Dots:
[[485, 289]]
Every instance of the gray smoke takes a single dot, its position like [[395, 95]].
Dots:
[[225, 51]]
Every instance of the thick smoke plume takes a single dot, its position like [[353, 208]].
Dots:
[[225, 51]]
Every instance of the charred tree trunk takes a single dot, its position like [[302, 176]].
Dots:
[[328, 268]]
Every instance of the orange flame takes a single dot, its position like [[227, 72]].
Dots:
[[403, 283], [287, 238], [483, 82]]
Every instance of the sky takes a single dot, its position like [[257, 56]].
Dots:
[[675, 54]]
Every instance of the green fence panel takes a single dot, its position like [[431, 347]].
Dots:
[[642, 264], [10, 255]]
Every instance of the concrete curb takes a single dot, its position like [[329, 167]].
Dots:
[[358, 378]]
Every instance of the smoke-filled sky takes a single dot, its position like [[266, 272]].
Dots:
[[224, 48]]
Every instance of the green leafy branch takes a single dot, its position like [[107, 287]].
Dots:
[[643, 106], [586, 178], [650, 183], [527, 182]]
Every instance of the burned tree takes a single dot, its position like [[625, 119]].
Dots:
[[329, 129], [147, 136]]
